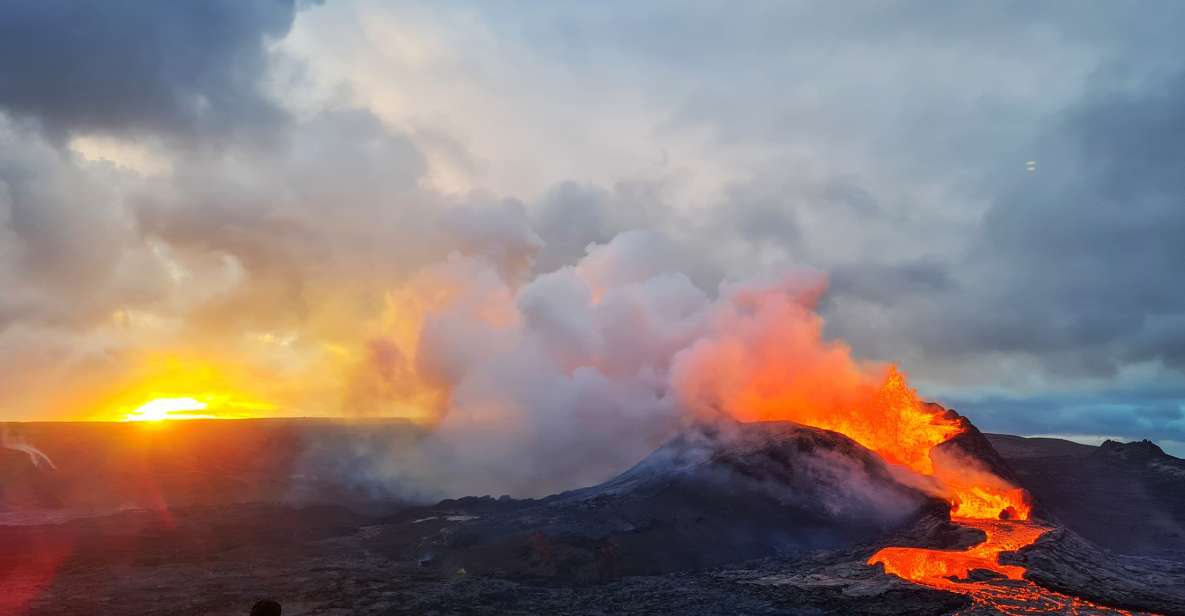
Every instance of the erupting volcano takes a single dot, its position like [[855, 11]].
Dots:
[[893, 422], [763, 461], [818, 384]]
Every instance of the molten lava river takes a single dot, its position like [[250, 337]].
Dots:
[[888, 417], [979, 499], [1004, 591]]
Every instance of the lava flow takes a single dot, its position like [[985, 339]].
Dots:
[[1004, 590], [978, 499], [786, 373], [941, 568]]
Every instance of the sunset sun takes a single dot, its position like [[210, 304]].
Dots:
[[161, 409]]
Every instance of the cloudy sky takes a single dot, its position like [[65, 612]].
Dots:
[[244, 197]]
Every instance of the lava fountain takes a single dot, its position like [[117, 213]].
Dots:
[[765, 358]]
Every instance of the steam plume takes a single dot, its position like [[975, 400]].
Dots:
[[565, 379], [16, 443]]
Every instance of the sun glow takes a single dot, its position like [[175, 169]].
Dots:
[[161, 409], [169, 386]]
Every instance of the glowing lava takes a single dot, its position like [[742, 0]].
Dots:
[[936, 567], [888, 418], [1008, 593]]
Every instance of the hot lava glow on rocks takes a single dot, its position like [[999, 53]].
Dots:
[[1011, 594], [936, 567], [905, 430], [893, 421]]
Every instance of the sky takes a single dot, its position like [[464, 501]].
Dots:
[[263, 203]]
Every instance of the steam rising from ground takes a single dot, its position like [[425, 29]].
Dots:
[[540, 384], [16, 443]]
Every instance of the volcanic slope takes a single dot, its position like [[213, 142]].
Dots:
[[1125, 497], [708, 497]]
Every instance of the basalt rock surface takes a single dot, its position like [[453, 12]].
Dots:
[[1063, 561], [341, 565]]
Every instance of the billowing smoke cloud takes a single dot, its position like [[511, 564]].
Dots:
[[551, 383], [562, 380]]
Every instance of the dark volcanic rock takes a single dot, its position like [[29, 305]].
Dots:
[[1126, 497], [344, 575], [1012, 447], [707, 498], [1063, 561], [932, 528], [973, 444], [1138, 452]]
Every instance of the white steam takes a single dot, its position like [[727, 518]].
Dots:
[[565, 379], [16, 443]]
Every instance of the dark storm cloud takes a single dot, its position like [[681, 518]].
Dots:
[[189, 67], [1080, 261], [1072, 277], [885, 282]]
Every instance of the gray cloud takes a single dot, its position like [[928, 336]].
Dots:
[[191, 68], [51, 245], [1073, 263], [883, 144], [1095, 240]]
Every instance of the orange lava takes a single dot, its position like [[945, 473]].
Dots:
[[887, 417], [936, 567], [1009, 593], [984, 502]]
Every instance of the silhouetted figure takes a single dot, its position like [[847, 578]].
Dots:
[[267, 607]]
